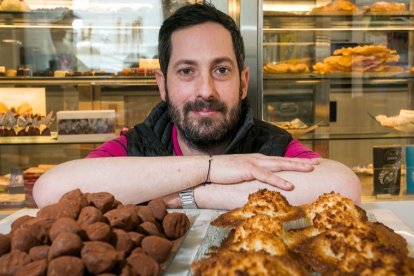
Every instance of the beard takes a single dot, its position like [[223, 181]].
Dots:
[[204, 133]]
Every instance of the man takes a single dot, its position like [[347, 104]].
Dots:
[[205, 119]]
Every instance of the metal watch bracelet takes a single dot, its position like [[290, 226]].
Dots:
[[187, 199]]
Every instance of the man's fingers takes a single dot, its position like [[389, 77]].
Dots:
[[288, 164], [268, 177]]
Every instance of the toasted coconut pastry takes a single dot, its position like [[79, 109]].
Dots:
[[259, 241], [350, 249], [264, 202], [333, 202], [247, 263], [330, 210], [258, 223]]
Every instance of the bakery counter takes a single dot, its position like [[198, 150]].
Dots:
[[393, 214]]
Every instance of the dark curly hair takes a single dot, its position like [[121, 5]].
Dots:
[[191, 15]]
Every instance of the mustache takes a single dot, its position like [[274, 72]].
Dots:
[[199, 105]]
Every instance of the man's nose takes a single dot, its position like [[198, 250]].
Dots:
[[206, 87]]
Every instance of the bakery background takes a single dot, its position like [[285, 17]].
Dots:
[[101, 55]]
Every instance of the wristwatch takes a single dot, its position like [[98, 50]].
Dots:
[[187, 199]]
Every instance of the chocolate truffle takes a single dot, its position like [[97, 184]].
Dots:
[[19, 221], [61, 209], [77, 196], [136, 238], [11, 262], [158, 208], [157, 247], [39, 228], [5, 244], [123, 218], [89, 215], [39, 252], [98, 231], [99, 257], [149, 228], [36, 268], [23, 240], [65, 244], [65, 265], [175, 225], [64, 224], [122, 241], [103, 201], [143, 265], [145, 213]]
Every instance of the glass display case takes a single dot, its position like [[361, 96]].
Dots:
[[329, 70], [74, 56]]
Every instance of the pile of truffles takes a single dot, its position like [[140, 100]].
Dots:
[[92, 234]]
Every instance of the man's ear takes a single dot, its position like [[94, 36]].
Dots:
[[159, 76], [244, 81]]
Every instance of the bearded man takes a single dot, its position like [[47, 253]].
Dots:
[[200, 146]]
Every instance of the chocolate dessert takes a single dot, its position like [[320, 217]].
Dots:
[[98, 231], [65, 265], [64, 224], [175, 225], [11, 262], [157, 247], [65, 244], [39, 252], [99, 257]]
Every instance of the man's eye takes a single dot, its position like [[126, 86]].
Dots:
[[185, 71], [223, 70]]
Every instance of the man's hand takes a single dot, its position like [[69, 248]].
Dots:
[[239, 168]]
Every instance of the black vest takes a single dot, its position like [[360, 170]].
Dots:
[[153, 137]]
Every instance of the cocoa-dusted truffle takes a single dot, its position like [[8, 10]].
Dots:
[[158, 208], [89, 215], [136, 238], [5, 244], [19, 221], [65, 265], [75, 196], [103, 201], [65, 243], [36, 268], [23, 240], [11, 262], [99, 257], [39, 252], [61, 209], [123, 218], [39, 228], [175, 225], [143, 265], [149, 228], [145, 213], [64, 224], [157, 247], [98, 231], [122, 241]]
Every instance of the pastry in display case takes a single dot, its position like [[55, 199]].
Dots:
[[360, 60]]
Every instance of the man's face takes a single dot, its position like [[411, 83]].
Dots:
[[204, 88]]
